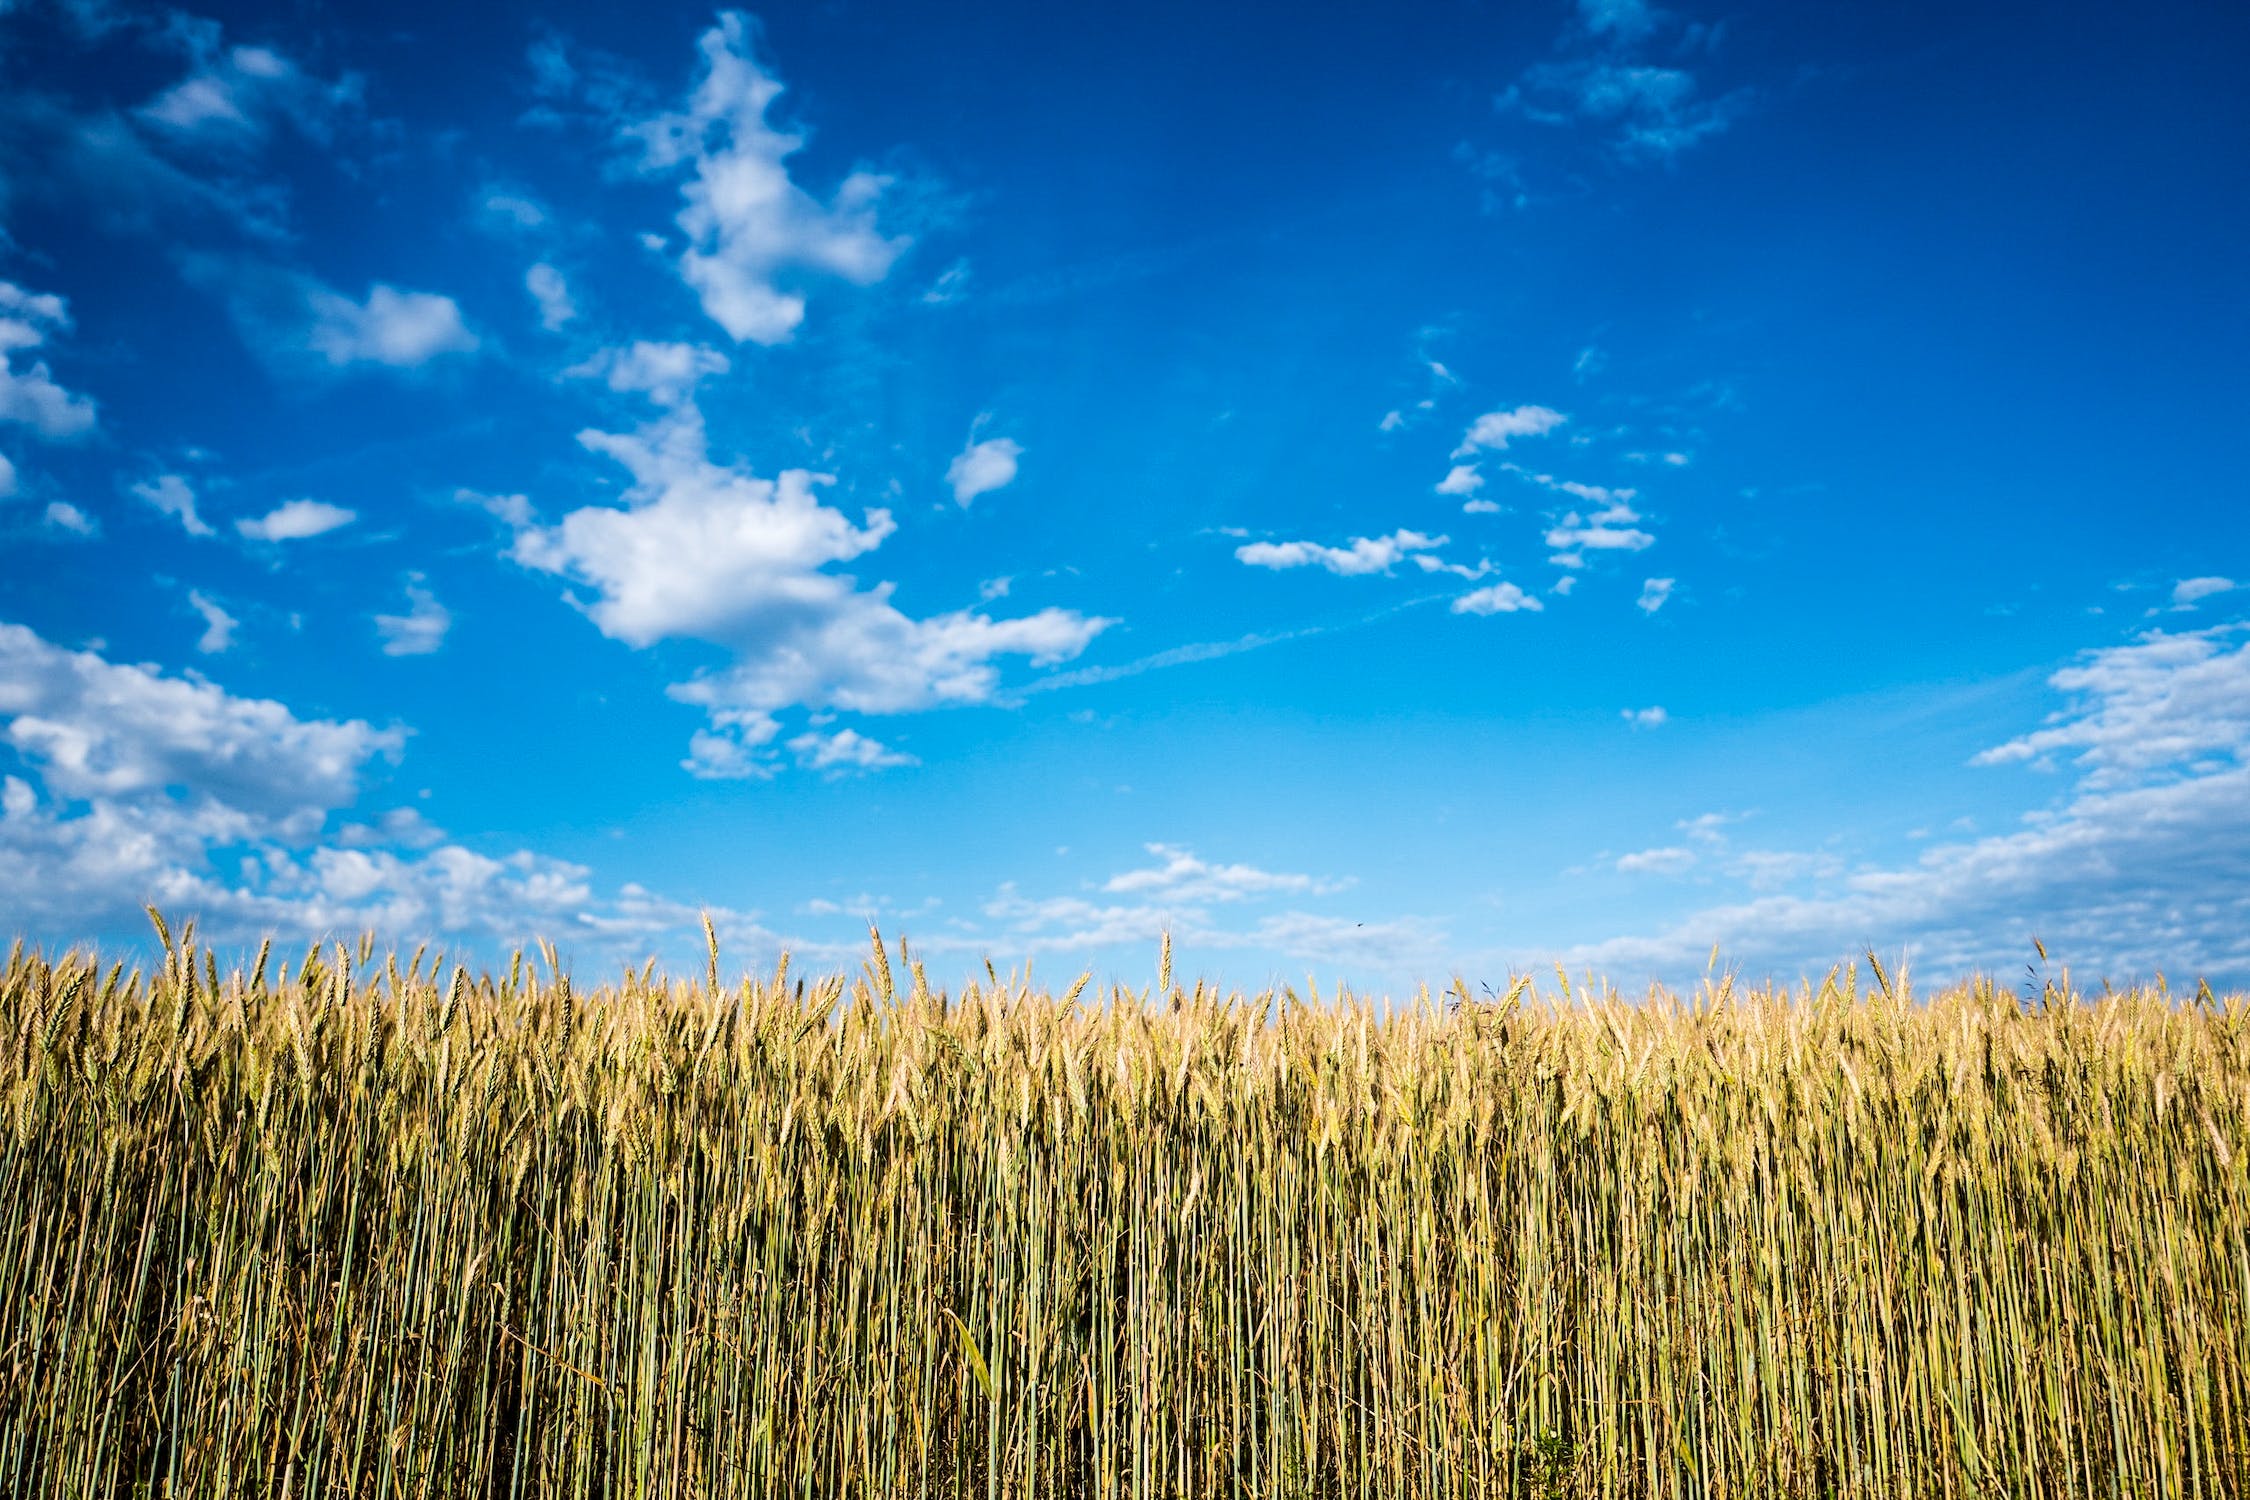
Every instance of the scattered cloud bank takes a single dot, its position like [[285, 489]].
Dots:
[[1361, 556], [130, 785], [1204, 905], [2143, 863], [30, 396]]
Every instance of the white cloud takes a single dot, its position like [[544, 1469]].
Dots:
[[7, 477], [218, 625], [1609, 530], [1185, 896], [64, 516], [845, 750], [717, 755], [295, 520], [2189, 592], [29, 394], [1392, 421], [710, 552], [421, 630], [172, 495], [753, 233], [395, 328], [96, 729], [1480, 508], [2144, 863], [1670, 861], [1625, 20], [292, 319], [981, 468], [552, 293], [1653, 717], [950, 286], [1181, 876], [146, 787], [1592, 494], [666, 373], [514, 210], [1496, 599], [233, 95], [1652, 112], [1496, 428], [511, 511], [1364, 555], [1654, 591], [1461, 479], [2166, 701]]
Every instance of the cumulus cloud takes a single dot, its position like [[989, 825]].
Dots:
[[94, 728], [295, 520], [1667, 861], [173, 496], [708, 551], [218, 625], [845, 750], [1461, 479], [292, 319], [1610, 530], [2143, 863], [1654, 591], [1652, 717], [140, 786], [2189, 592], [1364, 554], [1496, 599], [1652, 112], [1626, 20], [1206, 905], [981, 468], [64, 516], [1620, 76], [1495, 429], [233, 96], [1180, 875], [552, 293], [2164, 703], [421, 630], [29, 393], [665, 373], [754, 236]]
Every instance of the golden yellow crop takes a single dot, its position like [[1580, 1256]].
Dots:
[[359, 1230]]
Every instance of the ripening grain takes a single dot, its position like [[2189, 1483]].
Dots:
[[353, 1230]]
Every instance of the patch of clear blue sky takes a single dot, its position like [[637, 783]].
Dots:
[[1943, 306]]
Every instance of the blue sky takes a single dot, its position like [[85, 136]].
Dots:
[[1383, 494]]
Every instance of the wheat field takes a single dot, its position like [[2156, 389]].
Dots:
[[357, 1227]]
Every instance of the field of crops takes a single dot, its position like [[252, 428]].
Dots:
[[352, 1226]]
